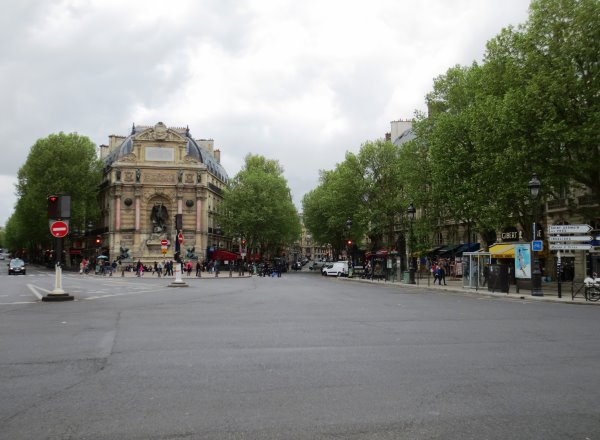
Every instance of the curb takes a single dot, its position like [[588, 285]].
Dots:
[[473, 292]]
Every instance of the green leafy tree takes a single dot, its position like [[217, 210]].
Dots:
[[383, 192], [258, 206], [338, 198], [59, 164]]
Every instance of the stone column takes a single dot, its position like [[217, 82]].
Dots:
[[137, 213], [198, 215], [118, 213]]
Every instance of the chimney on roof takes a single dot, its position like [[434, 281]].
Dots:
[[104, 151], [217, 154]]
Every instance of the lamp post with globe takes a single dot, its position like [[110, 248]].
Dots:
[[411, 267], [536, 274]]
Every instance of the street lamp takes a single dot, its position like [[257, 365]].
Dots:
[[349, 242], [411, 268], [536, 274]]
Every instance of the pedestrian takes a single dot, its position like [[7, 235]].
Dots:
[[198, 269], [188, 268], [159, 269], [434, 271], [441, 275]]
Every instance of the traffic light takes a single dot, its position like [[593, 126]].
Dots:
[[59, 206], [53, 206], [243, 242], [349, 242], [98, 241]]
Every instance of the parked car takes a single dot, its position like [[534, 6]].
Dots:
[[338, 269], [16, 266]]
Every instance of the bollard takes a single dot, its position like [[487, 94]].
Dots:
[[230, 273]]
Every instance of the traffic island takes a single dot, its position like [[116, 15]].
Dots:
[[54, 297], [178, 281], [58, 294]]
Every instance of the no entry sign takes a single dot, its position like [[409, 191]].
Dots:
[[164, 242], [59, 229]]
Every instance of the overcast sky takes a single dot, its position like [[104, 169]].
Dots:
[[298, 81]]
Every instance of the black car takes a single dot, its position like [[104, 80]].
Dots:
[[16, 266]]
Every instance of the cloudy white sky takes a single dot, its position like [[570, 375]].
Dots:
[[298, 81]]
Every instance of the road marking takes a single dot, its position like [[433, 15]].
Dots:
[[18, 302], [34, 289]]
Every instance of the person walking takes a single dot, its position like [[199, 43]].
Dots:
[[198, 269], [441, 275]]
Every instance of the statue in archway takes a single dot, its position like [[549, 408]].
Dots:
[[159, 216]]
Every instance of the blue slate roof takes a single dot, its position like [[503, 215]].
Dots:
[[193, 149], [407, 135]]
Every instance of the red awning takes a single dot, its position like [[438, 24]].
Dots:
[[225, 255], [379, 253]]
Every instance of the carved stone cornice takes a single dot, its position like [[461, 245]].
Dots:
[[160, 177], [128, 158], [160, 133]]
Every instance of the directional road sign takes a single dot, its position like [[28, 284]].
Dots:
[[59, 229], [569, 229], [570, 238], [570, 247]]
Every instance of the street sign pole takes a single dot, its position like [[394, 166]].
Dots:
[[58, 294], [561, 241], [558, 272]]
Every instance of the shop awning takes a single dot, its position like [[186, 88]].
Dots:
[[380, 253], [448, 250], [430, 252], [466, 247], [224, 255], [502, 250]]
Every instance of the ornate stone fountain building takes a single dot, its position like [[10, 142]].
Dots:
[[150, 176]]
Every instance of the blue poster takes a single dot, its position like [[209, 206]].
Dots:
[[522, 261]]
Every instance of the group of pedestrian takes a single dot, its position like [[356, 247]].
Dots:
[[101, 266]]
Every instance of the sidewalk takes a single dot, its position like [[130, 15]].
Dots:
[[550, 290], [184, 276]]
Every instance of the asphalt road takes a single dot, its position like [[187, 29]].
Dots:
[[297, 357]]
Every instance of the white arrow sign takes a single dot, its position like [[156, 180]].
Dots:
[[570, 238], [570, 247], [569, 229]]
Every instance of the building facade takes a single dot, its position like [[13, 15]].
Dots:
[[150, 176]]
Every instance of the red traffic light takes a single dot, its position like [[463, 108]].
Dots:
[[98, 240], [243, 241], [349, 242], [53, 206]]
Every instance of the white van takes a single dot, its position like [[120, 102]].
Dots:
[[338, 269]]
